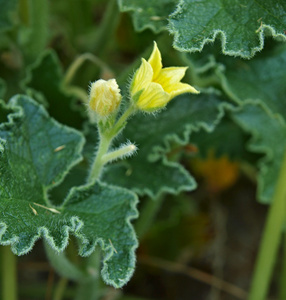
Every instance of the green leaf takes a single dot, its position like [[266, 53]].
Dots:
[[7, 13], [44, 82], [227, 139], [262, 78], [149, 172], [2, 88], [31, 162], [269, 138], [149, 14], [241, 25]]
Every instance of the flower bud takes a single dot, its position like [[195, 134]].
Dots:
[[104, 97]]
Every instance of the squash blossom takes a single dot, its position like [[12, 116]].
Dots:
[[153, 87], [104, 97]]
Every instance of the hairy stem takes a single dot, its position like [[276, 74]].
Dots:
[[98, 163], [270, 240]]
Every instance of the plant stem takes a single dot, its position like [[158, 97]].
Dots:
[[120, 124], [63, 266], [9, 274], [282, 285], [60, 289], [119, 153], [98, 162], [78, 62], [106, 28], [38, 22], [90, 288], [271, 239], [147, 215], [104, 144]]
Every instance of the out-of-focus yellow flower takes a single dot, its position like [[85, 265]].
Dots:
[[219, 173], [104, 97], [153, 87]]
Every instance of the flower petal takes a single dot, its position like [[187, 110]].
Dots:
[[170, 76], [181, 88], [142, 77], [155, 60], [153, 97]]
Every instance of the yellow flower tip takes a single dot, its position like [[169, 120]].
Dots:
[[104, 97], [153, 86]]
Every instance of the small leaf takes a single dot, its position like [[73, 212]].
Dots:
[[149, 14], [269, 138], [7, 12], [44, 82], [241, 25], [35, 153], [149, 172]]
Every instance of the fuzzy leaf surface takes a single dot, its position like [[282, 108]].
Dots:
[[241, 25], [150, 172], [149, 14], [269, 138], [32, 160], [262, 78]]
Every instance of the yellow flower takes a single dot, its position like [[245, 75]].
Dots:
[[153, 87], [104, 97]]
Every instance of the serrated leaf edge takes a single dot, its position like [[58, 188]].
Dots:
[[75, 226], [108, 249], [150, 26], [13, 104], [251, 144], [29, 71], [222, 34]]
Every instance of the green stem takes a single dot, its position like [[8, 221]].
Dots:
[[106, 28], [104, 144], [271, 239], [63, 266], [38, 22], [78, 62], [122, 152], [120, 124], [282, 286], [98, 162], [147, 215], [60, 289], [9, 274], [90, 289]]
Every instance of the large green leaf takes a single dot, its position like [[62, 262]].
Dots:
[[269, 138], [149, 172], [263, 78], [241, 25], [7, 12], [44, 82], [36, 152], [226, 130], [149, 14]]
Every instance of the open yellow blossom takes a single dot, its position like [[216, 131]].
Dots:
[[153, 87]]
